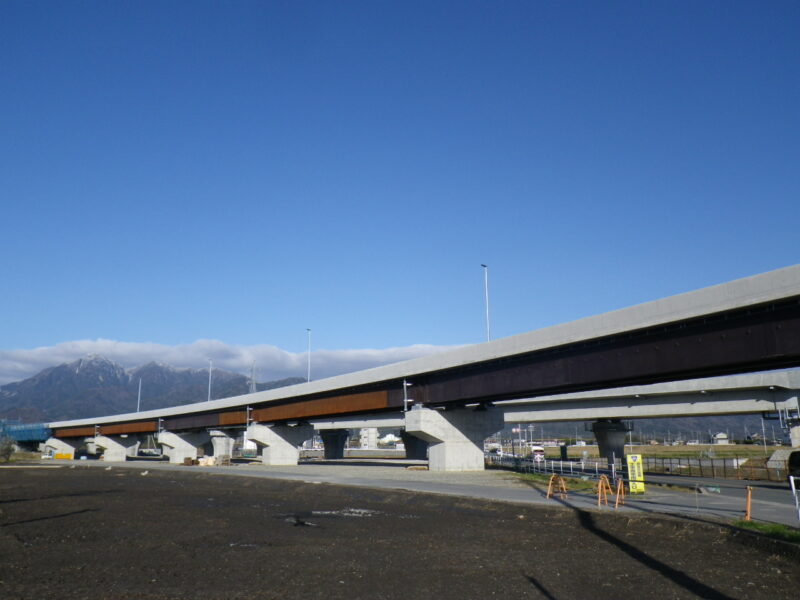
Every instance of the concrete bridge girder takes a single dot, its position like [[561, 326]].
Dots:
[[279, 442], [651, 406], [116, 448], [455, 437], [359, 422]]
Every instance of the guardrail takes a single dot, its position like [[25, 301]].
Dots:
[[589, 468]]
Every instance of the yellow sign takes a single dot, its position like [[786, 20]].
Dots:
[[635, 473]]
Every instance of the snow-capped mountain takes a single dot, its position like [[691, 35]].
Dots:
[[95, 386]]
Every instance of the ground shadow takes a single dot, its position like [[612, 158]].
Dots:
[[54, 496], [542, 590], [587, 521], [61, 516], [348, 462], [691, 584]]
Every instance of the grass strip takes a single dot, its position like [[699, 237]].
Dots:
[[773, 530]]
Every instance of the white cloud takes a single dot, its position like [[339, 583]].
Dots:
[[271, 362]]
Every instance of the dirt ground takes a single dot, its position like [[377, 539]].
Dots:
[[85, 532]]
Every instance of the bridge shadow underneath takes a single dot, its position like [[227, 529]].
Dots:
[[400, 463], [587, 520]]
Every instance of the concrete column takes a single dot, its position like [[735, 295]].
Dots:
[[334, 441], [222, 442], [794, 434], [116, 448], [61, 448], [455, 436], [181, 446], [610, 435], [279, 442], [416, 449]]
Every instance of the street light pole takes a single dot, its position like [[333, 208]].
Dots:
[[308, 374], [486, 296]]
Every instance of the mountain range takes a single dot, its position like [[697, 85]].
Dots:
[[94, 386]]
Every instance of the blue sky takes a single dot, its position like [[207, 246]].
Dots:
[[180, 171]]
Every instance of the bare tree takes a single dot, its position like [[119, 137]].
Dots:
[[6, 448]]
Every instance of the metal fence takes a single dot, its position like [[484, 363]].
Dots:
[[590, 468], [723, 468], [716, 468]]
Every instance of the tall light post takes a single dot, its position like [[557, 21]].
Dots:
[[486, 296], [209, 379], [308, 374]]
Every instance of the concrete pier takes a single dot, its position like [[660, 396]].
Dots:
[[279, 443], [334, 441], [455, 436], [116, 448], [222, 442], [610, 435], [62, 448], [179, 447]]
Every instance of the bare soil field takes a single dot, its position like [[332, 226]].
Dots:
[[74, 533]]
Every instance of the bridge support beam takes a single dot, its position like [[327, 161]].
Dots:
[[116, 448], [179, 447], [279, 442], [416, 448], [62, 448], [334, 442], [222, 442], [455, 436], [610, 435]]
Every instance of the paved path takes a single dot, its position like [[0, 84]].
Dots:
[[771, 502]]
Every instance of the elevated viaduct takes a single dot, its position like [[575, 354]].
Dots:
[[461, 396]]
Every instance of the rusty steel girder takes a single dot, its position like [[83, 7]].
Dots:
[[754, 339]]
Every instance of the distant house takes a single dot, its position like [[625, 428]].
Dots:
[[721, 438]]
